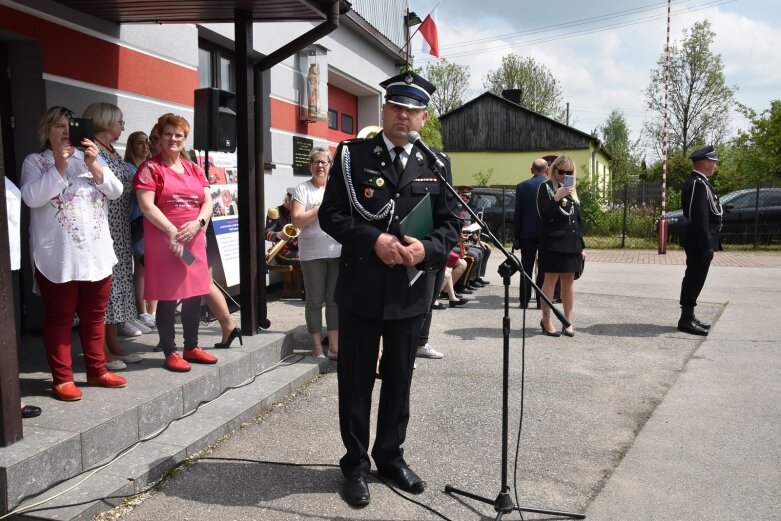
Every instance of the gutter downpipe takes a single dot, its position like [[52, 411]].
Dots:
[[316, 33], [597, 148]]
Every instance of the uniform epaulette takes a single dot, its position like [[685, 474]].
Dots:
[[353, 141]]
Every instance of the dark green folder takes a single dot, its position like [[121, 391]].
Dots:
[[418, 223]]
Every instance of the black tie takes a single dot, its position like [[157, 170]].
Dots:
[[397, 164]]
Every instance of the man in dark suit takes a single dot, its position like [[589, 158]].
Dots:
[[373, 185], [702, 209], [527, 224]]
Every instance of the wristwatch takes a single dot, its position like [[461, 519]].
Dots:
[[202, 221]]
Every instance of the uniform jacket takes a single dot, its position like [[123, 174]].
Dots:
[[366, 286], [561, 222], [704, 221], [526, 219]]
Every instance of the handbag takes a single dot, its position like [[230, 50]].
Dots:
[[582, 267]]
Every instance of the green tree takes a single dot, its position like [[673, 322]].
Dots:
[[615, 134], [541, 91], [431, 133], [699, 99], [452, 82]]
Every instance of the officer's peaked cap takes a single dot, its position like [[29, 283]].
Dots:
[[408, 89]]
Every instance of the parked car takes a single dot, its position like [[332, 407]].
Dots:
[[497, 206], [740, 210]]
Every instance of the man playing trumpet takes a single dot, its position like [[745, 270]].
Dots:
[[279, 227]]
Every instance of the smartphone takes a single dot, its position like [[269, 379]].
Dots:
[[569, 180], [78, 129], [187, 256]]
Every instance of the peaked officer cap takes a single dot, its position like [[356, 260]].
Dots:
[[704, 153], [408, 89]]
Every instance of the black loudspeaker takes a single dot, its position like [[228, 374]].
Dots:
[[215, 120]]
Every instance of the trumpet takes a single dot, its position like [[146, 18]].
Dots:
[[291, 232]]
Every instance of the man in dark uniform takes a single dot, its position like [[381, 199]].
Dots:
[[700, 239], [528, 223], [372, 187]]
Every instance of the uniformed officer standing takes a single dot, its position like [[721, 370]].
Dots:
[[373, 185], [700, 236]]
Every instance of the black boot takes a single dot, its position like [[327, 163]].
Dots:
[[688, 324], [703, 325]]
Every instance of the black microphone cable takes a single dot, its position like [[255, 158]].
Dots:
[[95, 468]]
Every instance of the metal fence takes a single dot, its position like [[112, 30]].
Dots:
[[627, 218]]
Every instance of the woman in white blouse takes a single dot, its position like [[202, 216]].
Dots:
[[67, 191], [319, 255]]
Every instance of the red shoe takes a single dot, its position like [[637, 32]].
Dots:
[[197, 355], [67, 392], [107, 380], [174, 362]]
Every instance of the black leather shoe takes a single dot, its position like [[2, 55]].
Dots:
[[30, 411], [459, 302], [703, 325], [482, 281], [474, 285], [405, 479], [466, 291], [691, 327], [439, 305], [356, 491]]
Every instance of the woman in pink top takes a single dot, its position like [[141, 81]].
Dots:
[[174, 197]]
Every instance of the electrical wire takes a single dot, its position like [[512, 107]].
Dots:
[[710, 4], [96, 468]]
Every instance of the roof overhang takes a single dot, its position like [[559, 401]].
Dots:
[[203, 11]]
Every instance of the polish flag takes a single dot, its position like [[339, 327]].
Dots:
[[430, 35]]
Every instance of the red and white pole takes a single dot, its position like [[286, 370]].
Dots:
[[665, 140]]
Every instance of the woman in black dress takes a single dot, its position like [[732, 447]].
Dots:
[[561, 240]]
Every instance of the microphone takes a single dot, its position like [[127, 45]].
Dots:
[[414, 138]]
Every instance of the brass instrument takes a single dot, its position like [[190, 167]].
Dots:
[[291, 232]]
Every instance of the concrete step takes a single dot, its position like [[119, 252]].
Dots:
[[73, 437]]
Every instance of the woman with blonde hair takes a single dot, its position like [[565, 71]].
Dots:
[[68, 190], [561, 249], [319, 255]]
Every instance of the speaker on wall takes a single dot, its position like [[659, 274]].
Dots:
[[215, 120]]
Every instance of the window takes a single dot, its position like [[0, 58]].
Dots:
[[215, 67], [333, 119], [347, 124]]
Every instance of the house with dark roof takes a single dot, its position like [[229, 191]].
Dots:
[[498, 134]]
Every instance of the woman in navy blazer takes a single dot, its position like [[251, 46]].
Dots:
[[561, 239]]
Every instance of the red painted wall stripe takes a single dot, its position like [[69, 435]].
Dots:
[[82, 57], [285, 116], [344, 103]]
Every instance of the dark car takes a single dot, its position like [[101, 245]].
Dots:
[[740, 210], [497, 207]]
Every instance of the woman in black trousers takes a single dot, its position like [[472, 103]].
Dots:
[[561, 239]]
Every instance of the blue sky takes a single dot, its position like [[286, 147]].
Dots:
[[602, 52]]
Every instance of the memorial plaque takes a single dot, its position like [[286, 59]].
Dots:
[[301, 148]]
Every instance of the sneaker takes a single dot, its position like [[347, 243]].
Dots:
[[174, 362], [131, 358], [197, 355], [127, 329], [115, 365], [107, 380], [426, 351], [148, 320], [140, 326]]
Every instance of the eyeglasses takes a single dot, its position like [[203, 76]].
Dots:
[[121, 122], [319, 162], [565, 172]]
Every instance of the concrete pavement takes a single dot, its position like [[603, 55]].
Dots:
[[630, 419]]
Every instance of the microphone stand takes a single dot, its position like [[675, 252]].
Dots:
[[503, 504]]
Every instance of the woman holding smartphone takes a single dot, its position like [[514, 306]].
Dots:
[[68, 191], [174, 197], [561, 249]]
